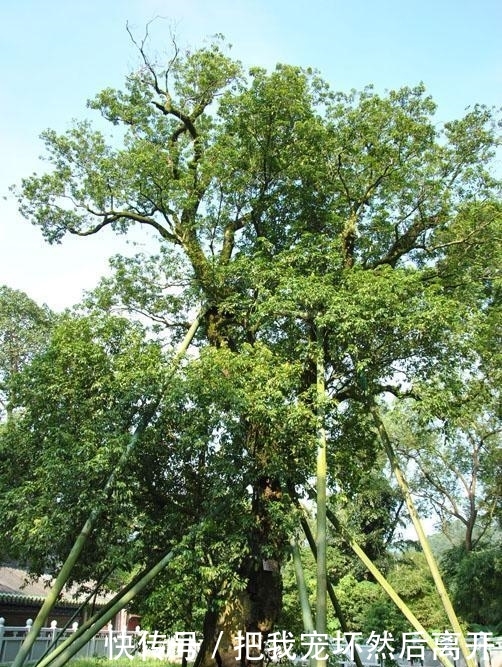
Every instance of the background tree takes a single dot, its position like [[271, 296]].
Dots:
[[467, 574], [24, 330], [78, 401], [369, 610]]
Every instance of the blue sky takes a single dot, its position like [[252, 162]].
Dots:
[[55, 55]]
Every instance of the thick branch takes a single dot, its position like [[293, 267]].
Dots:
[[114, 216], [188, 123], [229, 237], [407, 241]]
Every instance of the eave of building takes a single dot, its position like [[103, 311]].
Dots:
[[19, 599]]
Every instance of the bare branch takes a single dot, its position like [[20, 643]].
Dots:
[[146, 60]]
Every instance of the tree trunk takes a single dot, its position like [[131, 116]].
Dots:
[[254, 612], [264, 588]]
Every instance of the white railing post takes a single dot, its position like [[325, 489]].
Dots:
[[110, 640], [54, 627], [29, 623], [2, 630]]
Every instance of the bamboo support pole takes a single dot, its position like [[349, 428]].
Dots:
[[424, 542]]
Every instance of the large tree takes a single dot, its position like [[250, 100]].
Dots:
[[311, 225]]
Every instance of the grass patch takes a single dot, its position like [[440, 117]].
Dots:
[[121, 662]]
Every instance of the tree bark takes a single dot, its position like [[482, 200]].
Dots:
[[264, 588]]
